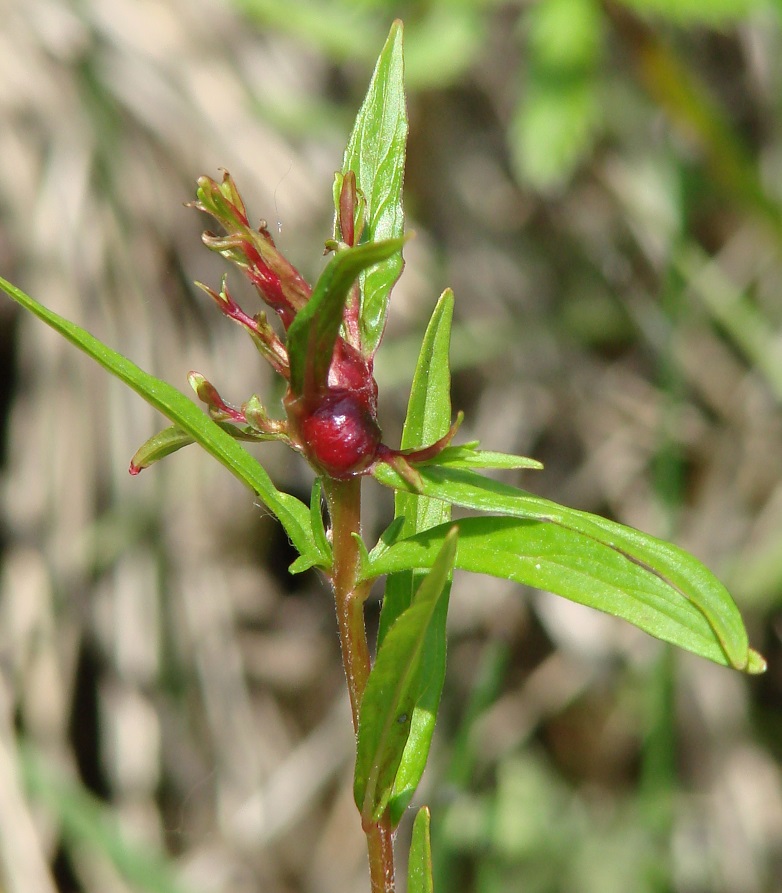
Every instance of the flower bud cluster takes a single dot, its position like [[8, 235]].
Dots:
[[333, 423]]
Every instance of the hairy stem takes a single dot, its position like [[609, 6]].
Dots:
[[344, 503]]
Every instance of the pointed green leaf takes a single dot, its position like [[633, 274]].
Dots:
[[428, 419], [427, 703], [376, 154], [429, 407], [160, 445], [189, 419], [419, 866], [314, 331], [316, 520], [653, 584], [393, 689], [467, 456], [172, 439]]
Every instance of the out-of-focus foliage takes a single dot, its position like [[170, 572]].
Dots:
[[625, 313], [556, 115], [697, 12]]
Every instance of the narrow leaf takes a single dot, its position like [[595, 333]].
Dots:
[[419, 866], [393, 689], [314, 331], [186, 416], [316, 519], [467, 456], [428, 419], [160, 445], [429, 407], [172, 439], [653, 584], [376, 154], [427, 702]]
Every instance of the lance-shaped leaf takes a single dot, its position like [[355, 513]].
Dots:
[[188, 418], [376, 155], [172, 439], [428, 419], [468, 455], [314, 331], [653, 584], [316, 517], [160, 445], [393, 689], [419, 865]]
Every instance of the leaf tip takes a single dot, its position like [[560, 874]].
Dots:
[[397, 30], [756, 663]]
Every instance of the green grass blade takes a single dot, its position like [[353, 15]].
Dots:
[[314, 331], [653, 584], [554, 122], [393, 688], [697, 12], [188, 418], [419, 866], [376, 155], [88, 824]]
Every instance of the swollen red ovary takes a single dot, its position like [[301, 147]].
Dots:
[[340, 435]]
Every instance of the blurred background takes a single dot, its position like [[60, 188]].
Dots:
[[601, 184]]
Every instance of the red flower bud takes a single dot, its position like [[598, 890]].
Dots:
[[340, 436]]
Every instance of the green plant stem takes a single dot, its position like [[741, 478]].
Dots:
[[344, 503]]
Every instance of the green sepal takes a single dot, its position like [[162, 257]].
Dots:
[[393, 689], [314, 331]]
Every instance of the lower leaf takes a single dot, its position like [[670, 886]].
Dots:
[[655, 586], [393, 690], [189, 420]]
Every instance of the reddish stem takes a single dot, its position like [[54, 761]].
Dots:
[[344, 503]]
